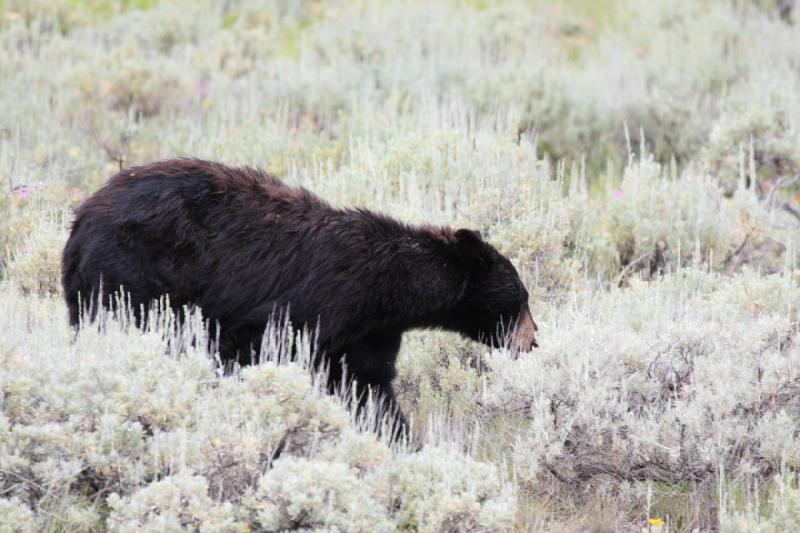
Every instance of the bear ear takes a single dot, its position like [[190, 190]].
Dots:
[[471, 249]]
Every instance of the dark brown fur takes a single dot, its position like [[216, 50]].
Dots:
[[241, 245]]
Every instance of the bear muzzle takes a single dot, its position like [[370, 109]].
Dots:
[[523, 338]]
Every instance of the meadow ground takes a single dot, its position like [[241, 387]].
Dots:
[[639, 161]]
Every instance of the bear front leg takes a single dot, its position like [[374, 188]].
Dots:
[[371, 363], [388, 410]]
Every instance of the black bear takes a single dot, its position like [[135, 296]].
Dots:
[[241, 245]]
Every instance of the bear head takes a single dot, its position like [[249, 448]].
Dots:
[[494, 307]]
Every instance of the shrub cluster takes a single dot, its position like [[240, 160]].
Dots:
[[119, 429]]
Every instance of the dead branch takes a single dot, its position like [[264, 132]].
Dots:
[[792, 210], [629, 268], [783, 181], [729, 261]]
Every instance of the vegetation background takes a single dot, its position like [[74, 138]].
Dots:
[[638, 161]]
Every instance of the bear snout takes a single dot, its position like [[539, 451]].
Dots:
[[524, 336]]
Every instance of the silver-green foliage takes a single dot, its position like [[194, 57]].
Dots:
[[119, 417]]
